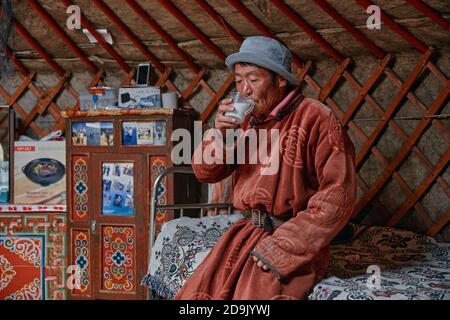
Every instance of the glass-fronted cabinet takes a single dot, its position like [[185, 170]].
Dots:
[[113, 159], [7, 130]]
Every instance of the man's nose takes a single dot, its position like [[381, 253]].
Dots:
[[247, 90]]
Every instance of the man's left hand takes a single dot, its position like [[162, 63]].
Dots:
[[261, 264]]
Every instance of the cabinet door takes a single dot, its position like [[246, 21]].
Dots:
[[118, 226], [80, 243]]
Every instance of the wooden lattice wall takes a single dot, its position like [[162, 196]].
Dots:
[[342, 78]]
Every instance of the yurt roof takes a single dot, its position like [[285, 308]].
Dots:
[[245, 18]]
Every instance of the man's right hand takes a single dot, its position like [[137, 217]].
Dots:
[[223, 122]]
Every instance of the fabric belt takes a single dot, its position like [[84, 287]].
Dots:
[[262, 219]]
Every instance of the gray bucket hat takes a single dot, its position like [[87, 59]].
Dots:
[[265, 52]]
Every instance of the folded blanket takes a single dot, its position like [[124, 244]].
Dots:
[[180, 248]]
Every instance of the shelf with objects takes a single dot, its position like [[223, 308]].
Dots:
[[113, 158]]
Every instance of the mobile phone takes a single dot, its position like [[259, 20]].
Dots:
[[143, 73]]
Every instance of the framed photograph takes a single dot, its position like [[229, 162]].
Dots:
[[106, 134], [160, 133], [129, 133], [92, 133], [79, 137], [144, 133], [118, 189]]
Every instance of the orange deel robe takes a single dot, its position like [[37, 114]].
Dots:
[[315, 186]]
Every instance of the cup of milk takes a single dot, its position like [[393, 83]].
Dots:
[[242, 104]]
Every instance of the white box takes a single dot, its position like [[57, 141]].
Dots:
[[40, 172], [140, 98], [98, 98]]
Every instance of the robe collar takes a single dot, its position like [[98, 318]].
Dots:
[[286, 106]]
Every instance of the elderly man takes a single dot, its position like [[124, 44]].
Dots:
[[282, 251]]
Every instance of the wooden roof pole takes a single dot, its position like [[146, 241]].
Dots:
[[309, 30], [378, 52], [63, 36], [375, 50], [303, 74], [152, 24], [261, 27], [304, 68], [164, 72], [425, 9], [222, 22], [55, 66], [125, 67], [323, 93], [211, 46], [391, 75], [347, 76], [133, 38], [341, 71], [196, 31], [19, 65], [36, 46], [44, 100], [405, 34], [217, 51], [199, 71]]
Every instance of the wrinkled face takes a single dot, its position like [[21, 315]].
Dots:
[[258, 84]]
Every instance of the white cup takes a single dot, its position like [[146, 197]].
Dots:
[[242, 104], [169, 100]]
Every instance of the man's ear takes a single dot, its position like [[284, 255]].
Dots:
[[282, 82]]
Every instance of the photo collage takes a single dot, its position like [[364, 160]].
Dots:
[[92, 134], [118, 189], [144, 133]]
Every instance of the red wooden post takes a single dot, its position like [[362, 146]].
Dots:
[[63, 36], [405, 34]]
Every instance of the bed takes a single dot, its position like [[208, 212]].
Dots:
[[367, 263], [387, 263]]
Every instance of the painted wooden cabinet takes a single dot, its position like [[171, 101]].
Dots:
[[113, 158]]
